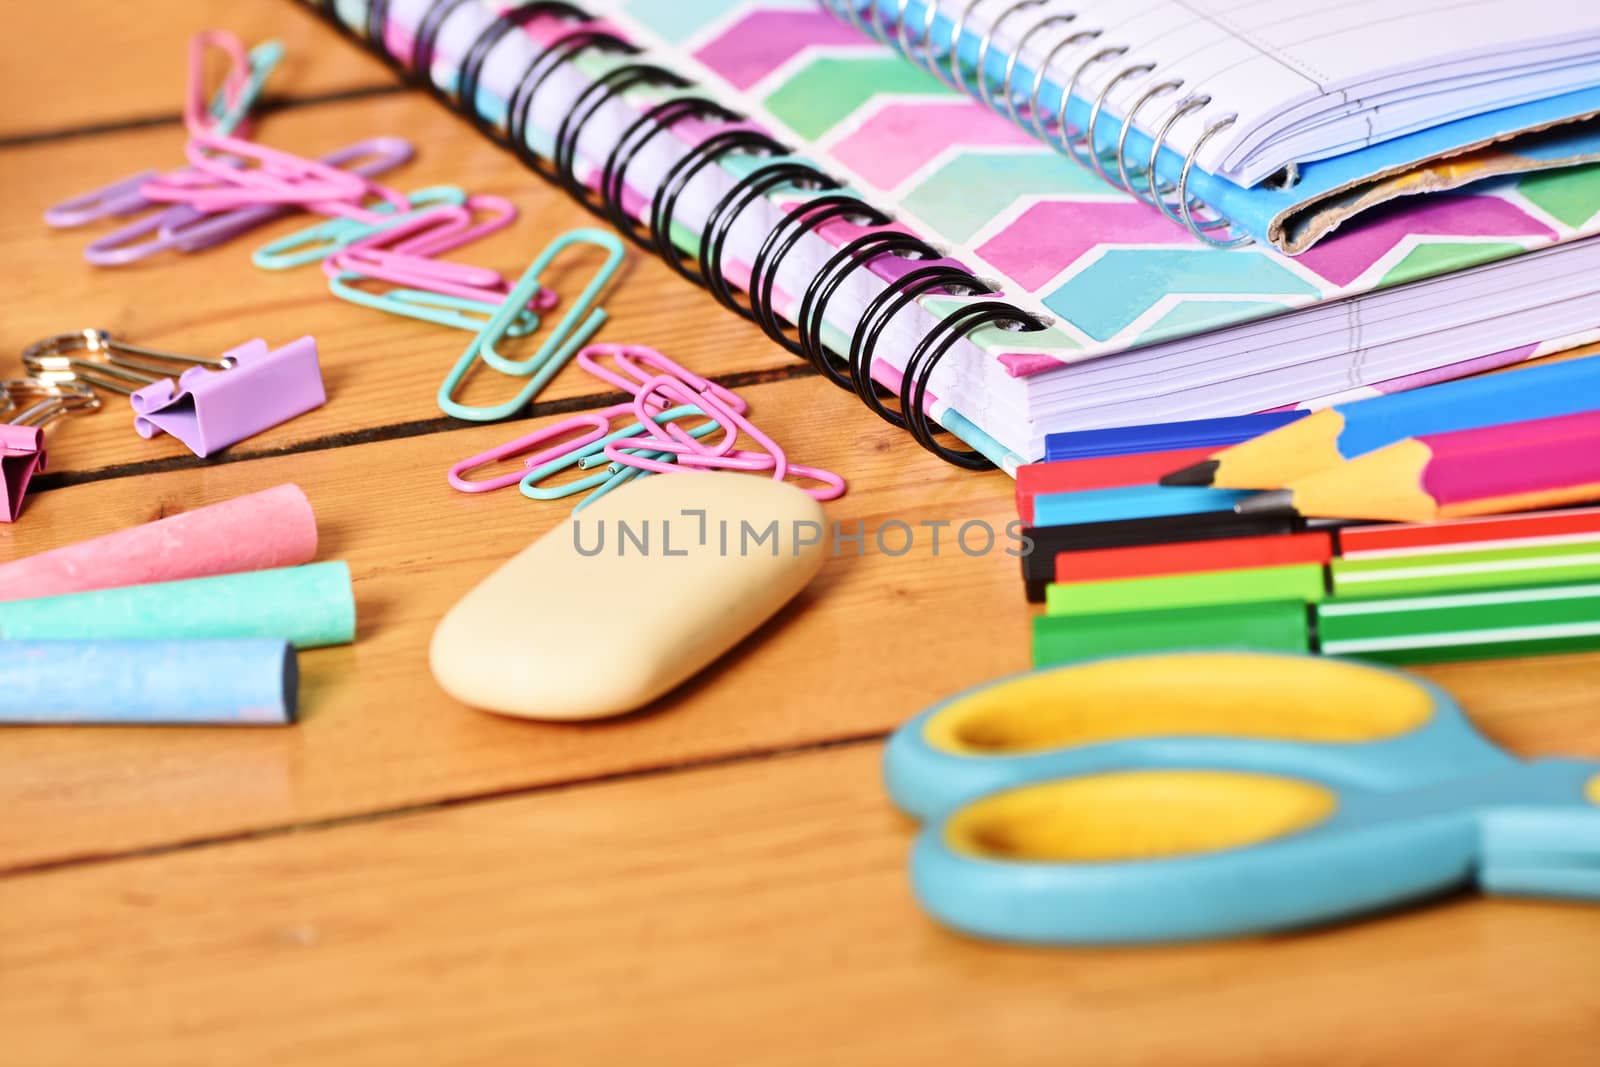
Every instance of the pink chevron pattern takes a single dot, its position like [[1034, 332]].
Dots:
[[1348, 254], [763, 41], [919, 132], [1050, 236]]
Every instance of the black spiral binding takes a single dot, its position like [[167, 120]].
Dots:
[[425, 44], [664, 204], [705, 267], [658, 119], [925, 358], [883, 308], [781, 241], [714, 237], [607, 87], [377, 25], [519, 108], [478, 54], [814, 302]]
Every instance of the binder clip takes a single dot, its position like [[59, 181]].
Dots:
[[22, 453], [213, 403]]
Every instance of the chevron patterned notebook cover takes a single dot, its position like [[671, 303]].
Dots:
[[1062, 304]]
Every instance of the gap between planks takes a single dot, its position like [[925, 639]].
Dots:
[[393, 432], [269, 105], [399, 811]]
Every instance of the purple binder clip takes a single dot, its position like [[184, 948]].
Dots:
[[209, 410]]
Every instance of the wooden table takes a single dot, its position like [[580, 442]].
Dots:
[[719, 880]]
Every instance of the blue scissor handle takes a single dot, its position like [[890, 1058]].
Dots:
[[1286, 852], [978, 741]]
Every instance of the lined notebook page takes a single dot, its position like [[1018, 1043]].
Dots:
[[1310, 78]]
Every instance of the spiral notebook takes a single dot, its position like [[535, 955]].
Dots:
[[1285, 118], [922, 244]]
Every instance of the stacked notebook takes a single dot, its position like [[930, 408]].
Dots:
[[935, 235]]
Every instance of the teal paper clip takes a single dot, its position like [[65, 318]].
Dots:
[[607, 479], [264, 58], [323, 239], [579, 307], [557, 349], [439, 308]]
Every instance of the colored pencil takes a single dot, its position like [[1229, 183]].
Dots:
[[1165, 436], [1344, 432], [1516, 466], [1536, 620]]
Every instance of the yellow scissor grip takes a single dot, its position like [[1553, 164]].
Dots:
[[1136, 815], [1241, 694]]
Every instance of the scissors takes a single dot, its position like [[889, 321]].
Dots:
[[1208, 794]]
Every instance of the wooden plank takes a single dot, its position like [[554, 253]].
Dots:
[[138, 54], [755, 914], [873, 639], [380, 370]]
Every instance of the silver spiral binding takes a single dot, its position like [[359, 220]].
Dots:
[[1092, 148], [1010, 98]]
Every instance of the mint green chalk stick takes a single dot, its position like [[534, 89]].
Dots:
[[309, 607]]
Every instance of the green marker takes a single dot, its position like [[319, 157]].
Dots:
[[1490, 568], [1479, 624], [1279, 625], [1303, 582], [1536, 621], [1363, 576], [307, 606]]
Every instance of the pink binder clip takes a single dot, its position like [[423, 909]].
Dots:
[[21, 456], [22, 452], [208, 410]]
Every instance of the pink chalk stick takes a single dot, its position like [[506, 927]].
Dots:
[[272, 528]]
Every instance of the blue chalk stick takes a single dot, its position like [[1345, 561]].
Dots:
[[234, 682], [1130, 502], [1164, 436]]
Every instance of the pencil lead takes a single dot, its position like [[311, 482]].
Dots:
[[1200, 474], [1271, 502]]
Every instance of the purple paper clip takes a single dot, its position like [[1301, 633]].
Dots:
[[209, 410], [109, 201], [190, 230]]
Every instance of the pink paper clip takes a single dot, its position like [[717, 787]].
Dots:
[[225, 182], [186, 229], [634, 379], [595, 424], [22, 453], [208, 410], [403, 253], [692, 454]]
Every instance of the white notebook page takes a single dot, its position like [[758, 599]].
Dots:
[[1308, 79]]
